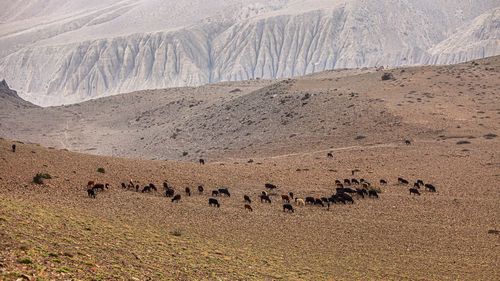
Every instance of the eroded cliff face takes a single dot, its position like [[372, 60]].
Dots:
[[273, 40]]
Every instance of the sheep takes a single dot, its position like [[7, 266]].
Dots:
[[153, 187], [213, 202], [339, 185], [165, 185], [383, 182], [13, 148], [90, 184], [248, 207], [176, 198], [414, 191], [337, 182], [416, 185], [372, 193], [288, 208], [202, 161], [91, 193], [329, 155], [402, 181], [265, 198], [324, 199], [354, 181], [300, 202], [169, 192], [224, 191], [310, 200], [365, 185], [285, 198], [247, 199], [188, 191], [264, 193], [420, 182], [136, 188], [270, 186], [347, 182], [200, 189], [430, 187], [215, 193]]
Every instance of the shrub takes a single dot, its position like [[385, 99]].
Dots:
[[387, 76], [25, 261], [176, 232], [101, 170], [38, 179]]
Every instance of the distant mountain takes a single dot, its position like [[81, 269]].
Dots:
[[57, 52]]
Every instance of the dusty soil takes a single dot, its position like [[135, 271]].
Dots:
[[451, 114]]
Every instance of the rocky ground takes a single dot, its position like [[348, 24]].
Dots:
[[451, 114]]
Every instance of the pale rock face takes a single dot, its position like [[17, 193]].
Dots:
[[79, 50]]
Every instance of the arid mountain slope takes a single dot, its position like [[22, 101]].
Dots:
[[328, 110]]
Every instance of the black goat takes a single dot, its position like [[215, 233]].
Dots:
[[213, 202]]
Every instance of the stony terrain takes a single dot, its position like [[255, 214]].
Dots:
[[451, 114]]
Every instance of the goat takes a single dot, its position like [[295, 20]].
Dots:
[[414, 191], [215, 193], [430, 187], [329, 155], [213, 202], [247, 199], [169, 192], [383, 182], [202, 161], [13, 148], [288, 208], [248, 207], [285, 198], [290, 194], [265, 198], [310, 200], [91, 193], [200, 189], [300, 202], [270, 186], [176, 198], [188, 191], [372, 193], [402, 181], [224, 191]]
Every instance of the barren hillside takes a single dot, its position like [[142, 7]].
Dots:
[[329, 110], [450, 114]]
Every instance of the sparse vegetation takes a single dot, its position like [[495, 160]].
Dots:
[[38, 178], [101, 170], [25, 261]]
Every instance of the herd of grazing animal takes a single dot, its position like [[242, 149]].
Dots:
[[346, 191]]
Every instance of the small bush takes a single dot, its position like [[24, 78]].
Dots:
[[38, 179], [387, 76], [176, 232], [25, 261], [463, 142], [101, 170]]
